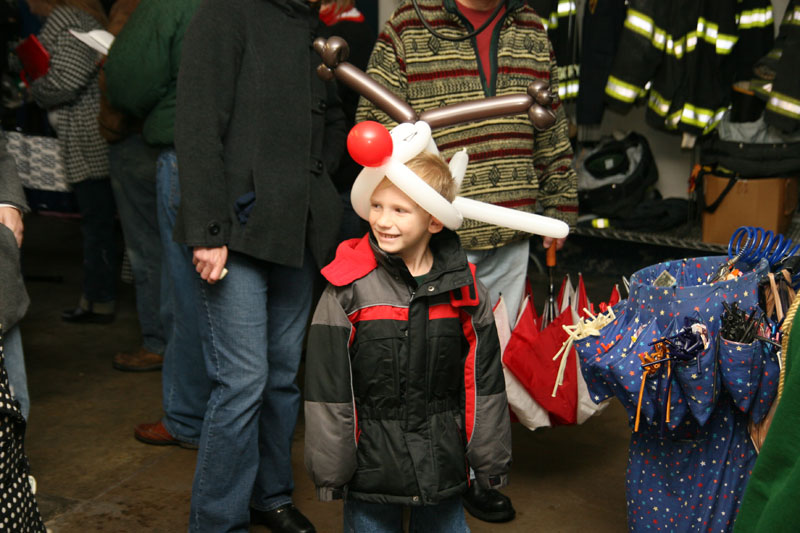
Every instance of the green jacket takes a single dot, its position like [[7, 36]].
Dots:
[[142, 65]]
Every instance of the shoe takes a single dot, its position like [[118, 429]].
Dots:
[[139, 361], [488, 505], [79, 315], [285, 519], [158, 435]]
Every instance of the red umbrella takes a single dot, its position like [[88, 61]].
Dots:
[[529, 356]]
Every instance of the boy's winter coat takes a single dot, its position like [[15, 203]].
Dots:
[[404, 386]]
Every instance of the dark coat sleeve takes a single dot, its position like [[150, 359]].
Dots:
[[13, 297], [210, 62]]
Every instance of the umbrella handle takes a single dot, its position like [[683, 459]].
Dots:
[[551, 255]]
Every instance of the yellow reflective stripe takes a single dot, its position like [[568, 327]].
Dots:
[[792, 17], [705, 119], [567, 8], [725, 43], [639, 23], [569, 89], [775, 53], [754, 18], [616, 88], [658, 103], [672, 121], [784, 104]]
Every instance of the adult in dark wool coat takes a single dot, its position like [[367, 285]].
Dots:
[[257, 135]]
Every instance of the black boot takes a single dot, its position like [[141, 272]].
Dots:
[[284, 519], [488, 505]]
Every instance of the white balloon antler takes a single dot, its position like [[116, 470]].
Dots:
[[384, 154]]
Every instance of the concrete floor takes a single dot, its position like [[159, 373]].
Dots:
[[94, 477]]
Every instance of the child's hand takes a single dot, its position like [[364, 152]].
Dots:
[[210, 262]]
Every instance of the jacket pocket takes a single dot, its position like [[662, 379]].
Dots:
[[376, 374]]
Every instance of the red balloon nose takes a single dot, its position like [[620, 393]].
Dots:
[[369, 144]]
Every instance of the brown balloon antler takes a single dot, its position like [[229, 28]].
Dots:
[[537, 101]]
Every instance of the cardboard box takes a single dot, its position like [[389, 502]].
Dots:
[[768, 203]]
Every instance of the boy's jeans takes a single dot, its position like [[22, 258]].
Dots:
[[185, 386], [363, 517]]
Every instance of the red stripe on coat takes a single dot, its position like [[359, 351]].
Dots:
[[442, 311], [470, 387], [379, 312], [442, 74]]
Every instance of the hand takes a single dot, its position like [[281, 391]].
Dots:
[[548, 241], [210, 262], [11, 218]]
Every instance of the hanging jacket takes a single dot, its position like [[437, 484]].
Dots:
[[561, 21], [404, 387], [679, 57], [783, 104]]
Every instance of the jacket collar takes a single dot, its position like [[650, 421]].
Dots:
[[355, 258]]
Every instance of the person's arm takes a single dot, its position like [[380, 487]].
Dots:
[[387, 67], [12, 197], [487, 420], [331, 436], [137, 69], [73, 65], [210, 62], [552, 157]]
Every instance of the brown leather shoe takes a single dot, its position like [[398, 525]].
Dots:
[[139, 361], [158, 435]]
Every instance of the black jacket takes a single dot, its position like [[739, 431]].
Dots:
[[13, 296], [255, 126], [404, 386]]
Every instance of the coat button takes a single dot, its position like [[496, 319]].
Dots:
[[213, 228], [415, 498], [431, 288], [323, 105], [319, 165]]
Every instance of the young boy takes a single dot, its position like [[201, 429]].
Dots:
[[404, 387]]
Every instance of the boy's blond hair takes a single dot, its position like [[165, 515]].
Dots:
[[435, 172]]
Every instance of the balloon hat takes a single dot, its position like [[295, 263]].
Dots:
[[384, 153]]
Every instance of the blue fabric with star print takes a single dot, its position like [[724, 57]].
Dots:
[[741, 366], [692, 476], [768, 385], [596, 353]]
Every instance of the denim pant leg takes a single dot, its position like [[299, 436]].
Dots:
[[366, 517], [446, 517], [133, 180], [184, 382], [100, 261], [504, 271], [254, 324], [289, 299], [15, 367]]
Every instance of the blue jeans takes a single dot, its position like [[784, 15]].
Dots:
[[504, 271], [15, 367], [446, 517], [100, 261], [185, 387], [133, 180], [255, 321]]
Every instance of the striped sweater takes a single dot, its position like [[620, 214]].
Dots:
[[511, 164]]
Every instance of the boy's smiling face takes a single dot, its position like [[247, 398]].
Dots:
[[400, 225]]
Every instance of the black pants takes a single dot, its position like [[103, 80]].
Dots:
[[100, 259]]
